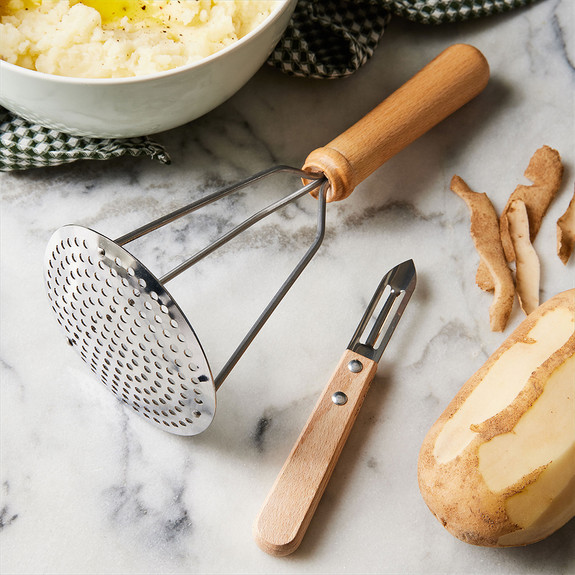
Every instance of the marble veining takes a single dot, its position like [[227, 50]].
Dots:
[[89, 487]]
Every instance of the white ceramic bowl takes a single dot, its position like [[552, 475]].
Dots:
[[141, 105]]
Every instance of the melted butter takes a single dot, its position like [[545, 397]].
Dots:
[[9, 9], [111, 11], [114, 10]]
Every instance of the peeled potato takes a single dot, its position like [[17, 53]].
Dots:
[[498, 466]]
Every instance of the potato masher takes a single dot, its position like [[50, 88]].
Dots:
[[293, 499], [128, 328]]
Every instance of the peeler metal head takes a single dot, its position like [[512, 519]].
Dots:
[[129, 330], [395, 290]]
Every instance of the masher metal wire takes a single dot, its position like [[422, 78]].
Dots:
[[318, 181]]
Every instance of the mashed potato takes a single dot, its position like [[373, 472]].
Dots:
[[119, 38]]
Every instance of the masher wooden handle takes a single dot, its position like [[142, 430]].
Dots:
[[291, 503], [448, 82]]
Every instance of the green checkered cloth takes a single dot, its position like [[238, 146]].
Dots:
[[25, 145], [333, 39], [441, 11], [325, 39]]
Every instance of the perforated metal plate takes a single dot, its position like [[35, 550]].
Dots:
[[129, 330]]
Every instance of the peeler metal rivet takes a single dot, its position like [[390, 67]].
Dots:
[[339, 398], [355, 366]]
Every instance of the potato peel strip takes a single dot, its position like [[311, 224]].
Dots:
[[527, 267], [487, 240], [566, 232], [545, 170]]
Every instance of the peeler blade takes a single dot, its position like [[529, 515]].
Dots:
[[397, 285]]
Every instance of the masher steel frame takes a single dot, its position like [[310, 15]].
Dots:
[[317, 181]]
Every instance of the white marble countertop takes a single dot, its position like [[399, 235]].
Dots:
[[89, 487]]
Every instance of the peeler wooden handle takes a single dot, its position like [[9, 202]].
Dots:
[[291, 503], [448, 82]]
